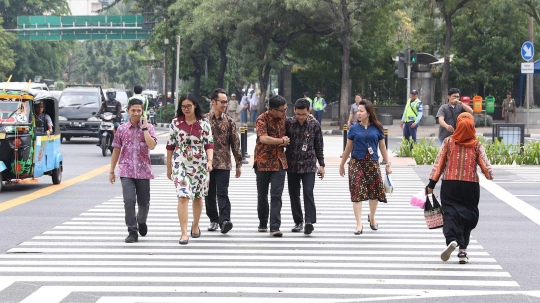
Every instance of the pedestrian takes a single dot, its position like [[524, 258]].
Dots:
[[226, 139], [189, 161], [233, 108], [509, 109], [319, 104], [305, 149], [253, 106], [354, 109], [412, 114], [306, 96], [132, 144], [137, 94], [270, 163], [457, 162], [365, 180], [244, 104], [449, 112]]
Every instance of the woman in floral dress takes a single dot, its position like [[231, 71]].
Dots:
[[189, 161]]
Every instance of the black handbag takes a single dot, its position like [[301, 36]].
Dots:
[[433, 213]]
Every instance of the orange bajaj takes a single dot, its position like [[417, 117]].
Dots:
[[29, 147]]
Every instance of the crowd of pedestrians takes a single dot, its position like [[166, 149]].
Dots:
[[199, 164]]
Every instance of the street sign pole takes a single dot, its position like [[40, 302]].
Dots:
[[408, 72]]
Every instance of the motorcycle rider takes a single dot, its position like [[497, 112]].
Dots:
[[113, 106]]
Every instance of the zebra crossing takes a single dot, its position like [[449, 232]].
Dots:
[[86, 259]]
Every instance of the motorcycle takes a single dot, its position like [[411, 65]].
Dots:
[[107, 132], [152, 116]]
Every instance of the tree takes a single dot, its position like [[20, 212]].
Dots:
[[7, 55], [447, 10]]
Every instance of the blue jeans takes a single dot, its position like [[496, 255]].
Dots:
[[254, 115], [243, 116], [408, 131], [318, 116]]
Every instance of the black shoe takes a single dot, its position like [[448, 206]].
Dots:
[[195, 235], [297, 228], [463, 259], [226, 226], [276, 233], [374, 227], [308, 229], [133, 237], [359, 232], [213, 226], [262, 229], [183, 242], [143, 229]]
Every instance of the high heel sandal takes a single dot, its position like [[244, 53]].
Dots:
[[359, 232], [373, 227], [183, 242]]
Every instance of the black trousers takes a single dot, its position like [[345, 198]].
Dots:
[[219, 186], [275, 179], [295, 182]]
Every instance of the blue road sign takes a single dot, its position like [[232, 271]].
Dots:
[[527, 51]]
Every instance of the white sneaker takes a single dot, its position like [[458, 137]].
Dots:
[[445, 255]]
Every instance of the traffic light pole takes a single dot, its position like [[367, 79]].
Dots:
[[408, 72]]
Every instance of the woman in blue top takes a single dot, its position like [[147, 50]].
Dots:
[[365, 182]]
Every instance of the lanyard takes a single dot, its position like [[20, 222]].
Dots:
[[365, 131]]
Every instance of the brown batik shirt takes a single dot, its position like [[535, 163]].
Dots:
[[225, 139], [306, 146], [269, 157]]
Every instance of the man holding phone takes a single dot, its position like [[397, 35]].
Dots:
[[132, 144], [305, 149]]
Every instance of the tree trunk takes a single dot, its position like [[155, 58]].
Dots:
[[196, 77], [222, 46], [446, 65], [345, 66], [264, 76]]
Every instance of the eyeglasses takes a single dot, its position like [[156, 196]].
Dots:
[[222, 101], [187, 107], [281, 110]]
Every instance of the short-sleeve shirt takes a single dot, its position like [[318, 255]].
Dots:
[[354, 110], [42, 124], [134, 160], [269, 157], [509, 105], [362, 138], [450, 115]]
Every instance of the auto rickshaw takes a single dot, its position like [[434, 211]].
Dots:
[[26, 150]]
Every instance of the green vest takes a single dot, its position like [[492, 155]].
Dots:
[[317, 104], [411, 110]]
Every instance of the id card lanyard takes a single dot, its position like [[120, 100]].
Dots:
[[189, 151], [366, 132]]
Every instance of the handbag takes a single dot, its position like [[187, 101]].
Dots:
[[433, 213], [388, 187]]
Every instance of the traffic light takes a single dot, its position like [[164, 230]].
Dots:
[[401, 71], [412, 56]]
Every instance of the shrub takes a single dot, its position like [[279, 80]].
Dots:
[[483, 120]]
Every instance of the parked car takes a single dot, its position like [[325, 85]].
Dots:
[[78, 106], [56, 93], [22, 86]]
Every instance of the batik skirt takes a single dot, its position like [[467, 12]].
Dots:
[[365, 180]]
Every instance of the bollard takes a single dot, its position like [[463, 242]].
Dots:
[[246, 154], [243, 137], [345, 128], [386, 137]]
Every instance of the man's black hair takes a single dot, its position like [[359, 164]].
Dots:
[[216, 92], [302, 103], [134, 101], [276, 101], [453, 90], [137, 89]]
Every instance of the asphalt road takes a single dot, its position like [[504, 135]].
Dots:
[[506, 234]]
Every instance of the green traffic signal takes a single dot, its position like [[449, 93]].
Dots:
[[412, 56]]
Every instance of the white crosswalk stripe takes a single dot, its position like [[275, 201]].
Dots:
[[87, 255]]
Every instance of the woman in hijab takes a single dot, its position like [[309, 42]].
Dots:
[[457, 161]]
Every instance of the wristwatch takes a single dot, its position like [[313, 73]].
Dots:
[[145, 129], [389, 164]]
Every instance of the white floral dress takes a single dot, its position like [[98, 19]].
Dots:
[[189, 144]]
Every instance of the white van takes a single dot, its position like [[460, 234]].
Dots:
[[23, 86]]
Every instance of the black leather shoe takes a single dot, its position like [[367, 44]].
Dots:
[[143, 229], [374, 227], [132, 238], [195, 235], [297, 228], [213, 226], [262, 229], [276, 233], [226, 227], [308, 229], [359, 232]]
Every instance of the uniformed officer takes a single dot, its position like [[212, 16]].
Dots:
[[412, 114], [509, 109]]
